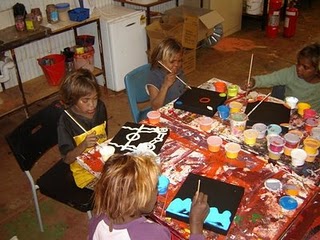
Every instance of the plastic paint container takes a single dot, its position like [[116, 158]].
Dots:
[[292, 140], [287, 151], [311, 145], [276, 144], [154, 117], [291, 189], [298, 157], [223, 111], [288, 203], [261, 128], [274, 155], [309, 113], [297, 132], [238, 123], [310, 123], [250, 136], [232, 90], [232, 150], [291, 102], [312, 157], [163, 184], [220, 87], [274, 129], [315, 133], [205, 123], [302, 106], [214, 143], [63, 9], [235, 107]]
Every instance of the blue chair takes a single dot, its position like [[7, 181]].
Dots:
[[135, 82]]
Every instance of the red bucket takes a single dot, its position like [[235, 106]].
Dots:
[[53, 67]]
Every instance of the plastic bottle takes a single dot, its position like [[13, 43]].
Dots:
[[52, 13]]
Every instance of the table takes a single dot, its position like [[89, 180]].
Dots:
[[259, 215], [148, 5]]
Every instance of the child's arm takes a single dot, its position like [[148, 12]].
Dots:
[[89, 141], [199, 212]]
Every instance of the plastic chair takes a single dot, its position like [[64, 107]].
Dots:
[[29, 142], [135, 82]]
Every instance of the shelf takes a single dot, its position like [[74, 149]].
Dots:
[[34, 89]]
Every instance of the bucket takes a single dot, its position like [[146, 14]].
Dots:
[[53, 67], [254, 7], [84, 60]]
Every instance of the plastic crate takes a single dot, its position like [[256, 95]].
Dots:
[[78, 14]]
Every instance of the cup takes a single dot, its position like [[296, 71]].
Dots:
[[214, 143], [163, 183], [274, 129], [311, 145], [223, 111], [292, 140], [235, 106], [232, 90], [250, 136], [238, 123], [311, 157], [287, 151], [315, 133], [220, 87], [232, 150], [298, 157], [106, 152], [297, 132], [261, 128], [302, 106], [309, 113], [153, 117], [310, 123], [276, 144], [274, 155], [291, 102], [205, 123]]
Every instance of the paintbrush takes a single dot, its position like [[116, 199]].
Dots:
[[249, 76], [258, 104], [76, 122], [176, 75]]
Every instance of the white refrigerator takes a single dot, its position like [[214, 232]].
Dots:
[[124, 42]]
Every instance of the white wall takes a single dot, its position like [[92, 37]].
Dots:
[[28, 54]]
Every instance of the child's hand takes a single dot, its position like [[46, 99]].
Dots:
[[169, 79], [199, 212], [90, 140]]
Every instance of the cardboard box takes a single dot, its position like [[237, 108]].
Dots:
[[163, 28], [197, 23], [189, 60]]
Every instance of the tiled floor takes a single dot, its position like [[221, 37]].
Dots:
[[228, 60]]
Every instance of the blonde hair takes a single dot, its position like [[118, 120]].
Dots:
[[126, 185], [168, 48], [78, 84]]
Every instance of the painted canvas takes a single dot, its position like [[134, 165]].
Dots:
[[201, 101], [134, 137], [267, 113], [223, 199]]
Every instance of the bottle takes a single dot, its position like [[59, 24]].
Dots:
[[52, 13], [20, 24]]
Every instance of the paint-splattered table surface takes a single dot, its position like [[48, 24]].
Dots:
[[259, 216]]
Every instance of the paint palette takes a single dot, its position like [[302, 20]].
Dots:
[[201, 101], [223, 200]]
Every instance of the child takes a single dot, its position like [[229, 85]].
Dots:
[[80, 93], [125, 192], [163, 86], [301, 80]]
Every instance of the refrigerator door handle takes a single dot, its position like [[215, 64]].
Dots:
[[130, 24]]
